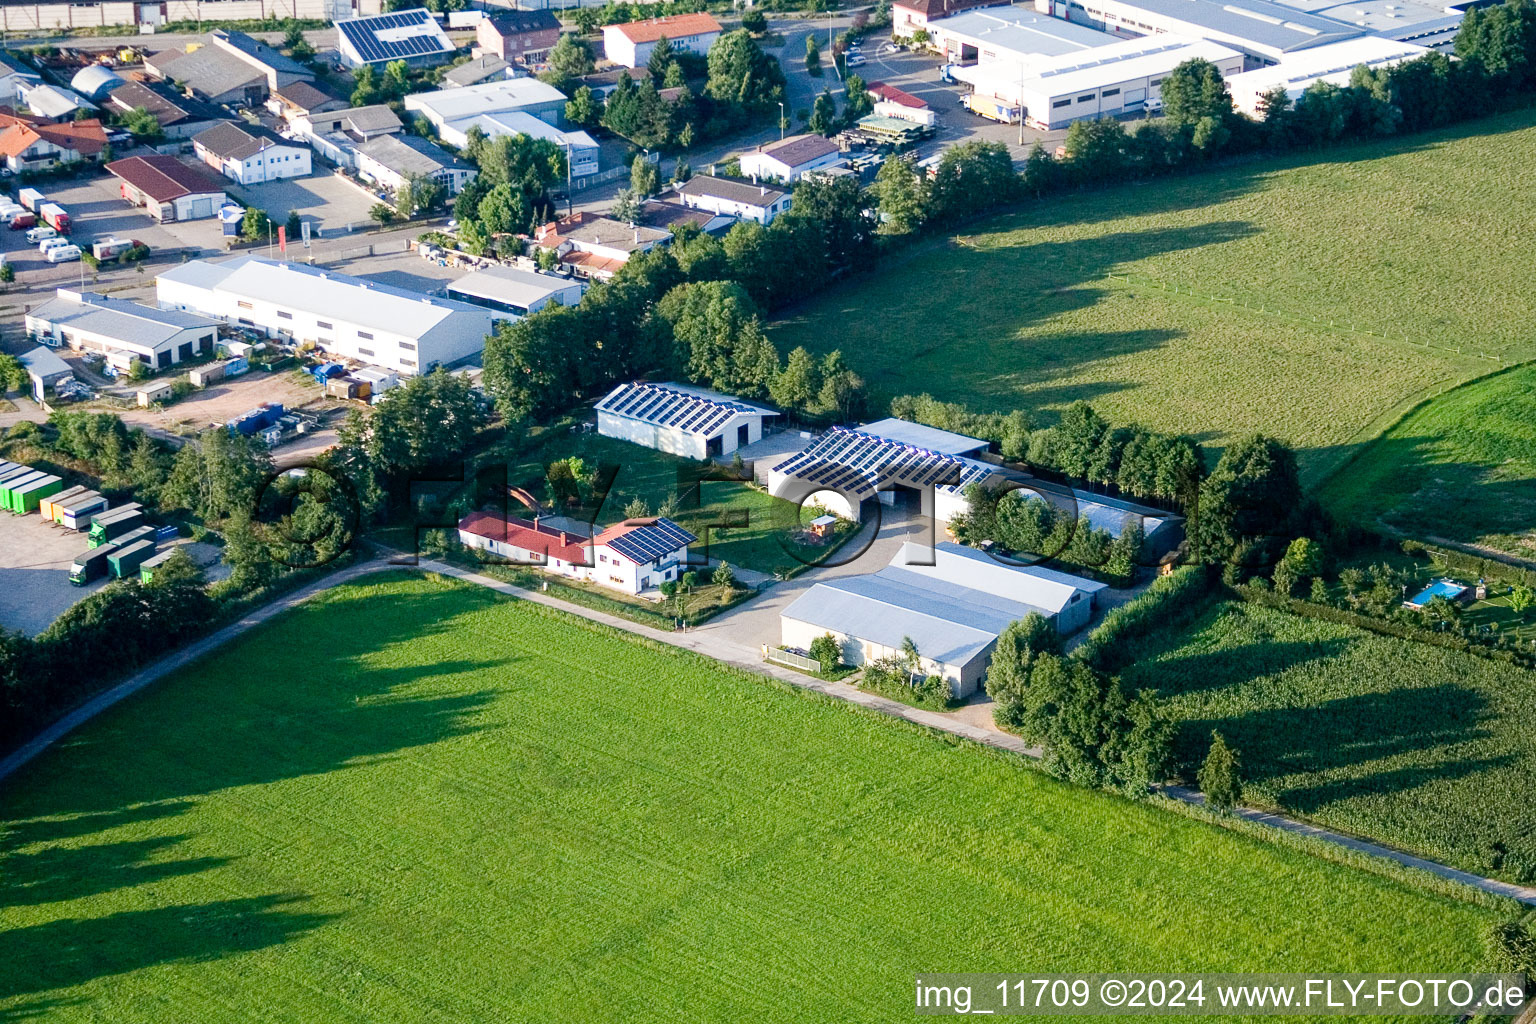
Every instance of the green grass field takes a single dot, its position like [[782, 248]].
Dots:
[[1423, 239], [1463, 468], [413, 800], [1427, 749]]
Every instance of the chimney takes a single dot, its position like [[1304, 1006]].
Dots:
[[762, 190], [637, 236], [711, 170]]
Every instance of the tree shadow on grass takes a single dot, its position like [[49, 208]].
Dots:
[[1308, 757], [67, 952], [329, 686]]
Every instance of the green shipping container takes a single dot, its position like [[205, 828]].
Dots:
[[29, 496], [8, 487], [126, 560]]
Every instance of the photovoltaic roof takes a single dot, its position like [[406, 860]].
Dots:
[[397, 36], [859, 464], [691, 411], [649, 541]]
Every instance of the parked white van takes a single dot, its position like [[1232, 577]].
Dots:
[[62, 253]]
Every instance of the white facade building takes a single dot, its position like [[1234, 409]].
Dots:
[[692, 422], [1014, 34], [389, 159], [1264, 30], [250, 155], [792, 159], [529, 95], [514, 293], [733, 198], [631, 44], [1122, 77], [348, 317], [634, 556], [1334, 64]]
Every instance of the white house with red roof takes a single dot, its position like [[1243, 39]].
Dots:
[[631, 44], [893, 102], [793, 158], [634, 556]]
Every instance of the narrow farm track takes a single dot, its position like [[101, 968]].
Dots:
[[717, 648]]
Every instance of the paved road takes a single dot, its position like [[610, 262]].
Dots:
[[712, 644]]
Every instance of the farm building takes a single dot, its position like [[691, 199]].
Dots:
[[634, 556], [1334, 64], [680, 419], [733, 198], [389, 160], [45, 369], [167, 189], [516, 292], [179, 117], [122, 331], [346, 316], [888, 461], [790, 160], [413, 36], [518, 35], [1264, 30], [630, 44], [953, 609], [250, 154], [1119, 78]]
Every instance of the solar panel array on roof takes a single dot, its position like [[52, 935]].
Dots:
[[667, 407], [859, 464], [377, 38], [648, 543]]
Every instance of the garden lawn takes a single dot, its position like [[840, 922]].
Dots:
[[414, 800], [1420, 239], [1424, 748], [1461, 468]]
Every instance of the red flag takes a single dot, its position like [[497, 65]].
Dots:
[[282, 238]]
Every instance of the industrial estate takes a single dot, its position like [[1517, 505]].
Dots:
[[751, 511]]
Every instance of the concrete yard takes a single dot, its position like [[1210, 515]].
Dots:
[[226, 399], [329, 202]]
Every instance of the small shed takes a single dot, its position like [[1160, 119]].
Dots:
[[154, 391], [202, 376], [348, 388], [46, 369], [822, 526]]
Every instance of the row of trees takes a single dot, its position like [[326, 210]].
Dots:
[[1026, 524]]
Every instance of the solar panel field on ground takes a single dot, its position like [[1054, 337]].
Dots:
[[1221, 303], [414, 800]]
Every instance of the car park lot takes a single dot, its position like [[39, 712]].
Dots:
[[329, 202], [34, 572]]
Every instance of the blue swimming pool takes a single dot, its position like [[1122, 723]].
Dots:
[[1448, 589]]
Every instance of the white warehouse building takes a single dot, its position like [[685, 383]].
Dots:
[[122, 331], [348, 317], [682, 420], [1334, 64], [1266, 31], [953, 609], [1123, 77]]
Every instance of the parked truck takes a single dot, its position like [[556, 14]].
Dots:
[[90, 565], [110, 525], [56, 217], [125, 561], [992, 108], [31, 198]]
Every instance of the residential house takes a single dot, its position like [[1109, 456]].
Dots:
[[909, 17], [476, 70], [389, 160], [337, 134], [249, 155], [28, 144], [594, 245], [790, 160], [14, 75], [630, 44], [168, 189], [733, 197], [518, 36], [633, 557]]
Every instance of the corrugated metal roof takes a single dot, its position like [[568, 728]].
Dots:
[[1034, 585], [118, 318]]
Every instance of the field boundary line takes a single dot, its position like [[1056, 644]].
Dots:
[[716, 648]]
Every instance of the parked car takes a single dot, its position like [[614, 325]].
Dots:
[[854, 59], [62, 253], [41, 233]]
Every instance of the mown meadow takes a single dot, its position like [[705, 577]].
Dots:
[[415, 800], [1427, 749], [1315, 298], [1462, 467]]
